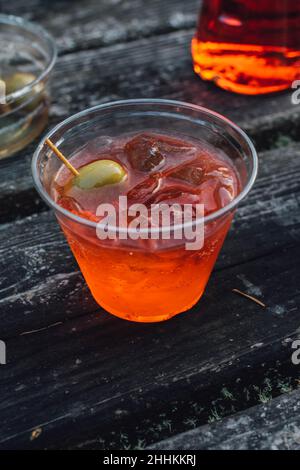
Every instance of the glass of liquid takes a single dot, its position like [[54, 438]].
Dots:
[[27, 57], [151, 153], [248, 46]]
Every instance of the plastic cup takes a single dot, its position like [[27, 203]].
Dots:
[[28, 54], [145, 282]]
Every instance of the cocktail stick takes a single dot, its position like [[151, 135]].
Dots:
[[61, 157]]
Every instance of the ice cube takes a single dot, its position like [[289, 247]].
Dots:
[[174, 195], [144, 153], [143, 190], [154, 152], [225, 196], [192, 174]]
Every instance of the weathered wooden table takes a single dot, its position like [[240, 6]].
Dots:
[[219, 376]]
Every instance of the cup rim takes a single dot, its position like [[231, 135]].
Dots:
[[41, 33], [202, 220]]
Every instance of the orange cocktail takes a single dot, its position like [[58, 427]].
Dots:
[[178, 162]]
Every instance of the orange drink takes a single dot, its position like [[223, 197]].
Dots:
[[248, 46], [161, 153]]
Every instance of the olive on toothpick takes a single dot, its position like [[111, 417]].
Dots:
[[93, 175]]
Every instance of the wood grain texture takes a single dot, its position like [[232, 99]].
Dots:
[[81, 380], [38, 270], [78, 25], [275, 426], [144, 69], [73, 370]]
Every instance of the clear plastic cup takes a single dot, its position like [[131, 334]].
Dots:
[[27, 57], [142, 281]]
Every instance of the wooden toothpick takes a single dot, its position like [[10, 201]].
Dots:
[[61, 157]]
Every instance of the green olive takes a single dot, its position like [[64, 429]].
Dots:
[[99, 173], [19, 80]]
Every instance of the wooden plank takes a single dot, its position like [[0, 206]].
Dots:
[[78, 26], [40, 281], [40, 275], [73, 370], [160, 68], [274, 426], [81, 380]]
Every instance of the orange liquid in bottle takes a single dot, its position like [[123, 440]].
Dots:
[[148, 280], [248, 46]]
